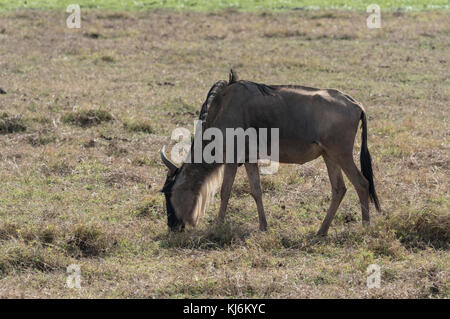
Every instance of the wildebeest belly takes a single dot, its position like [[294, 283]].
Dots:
[[298, 152]]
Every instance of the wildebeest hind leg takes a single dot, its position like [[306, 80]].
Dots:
[[337, 193], [360, 183]]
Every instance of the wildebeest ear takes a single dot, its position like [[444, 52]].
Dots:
[[232, 77]]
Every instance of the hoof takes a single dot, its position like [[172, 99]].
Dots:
[[322, 233]]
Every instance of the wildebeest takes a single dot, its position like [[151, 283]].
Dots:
[[312, 122]]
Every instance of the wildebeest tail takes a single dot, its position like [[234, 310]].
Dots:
[[366, 162]]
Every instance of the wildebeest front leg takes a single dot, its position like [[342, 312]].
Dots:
[[228, 179], [255, 185]]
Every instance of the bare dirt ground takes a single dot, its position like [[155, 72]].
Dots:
[[86, 112]]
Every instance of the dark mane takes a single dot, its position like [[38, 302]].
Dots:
[[213, 91], [264, 89], [290, 86]]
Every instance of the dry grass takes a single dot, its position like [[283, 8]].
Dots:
[[81, 182]]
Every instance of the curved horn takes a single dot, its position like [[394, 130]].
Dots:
[[171, 166]]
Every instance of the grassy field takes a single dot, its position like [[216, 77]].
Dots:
[[87, 110], [245, 5]]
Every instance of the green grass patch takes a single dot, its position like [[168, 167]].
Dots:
[[89, 241], [143, 126], [86, 118], [11, 124], [247, 5], [422, 228], [16, 256]]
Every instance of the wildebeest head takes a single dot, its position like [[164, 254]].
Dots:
[[187, 194], [174, 223]]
